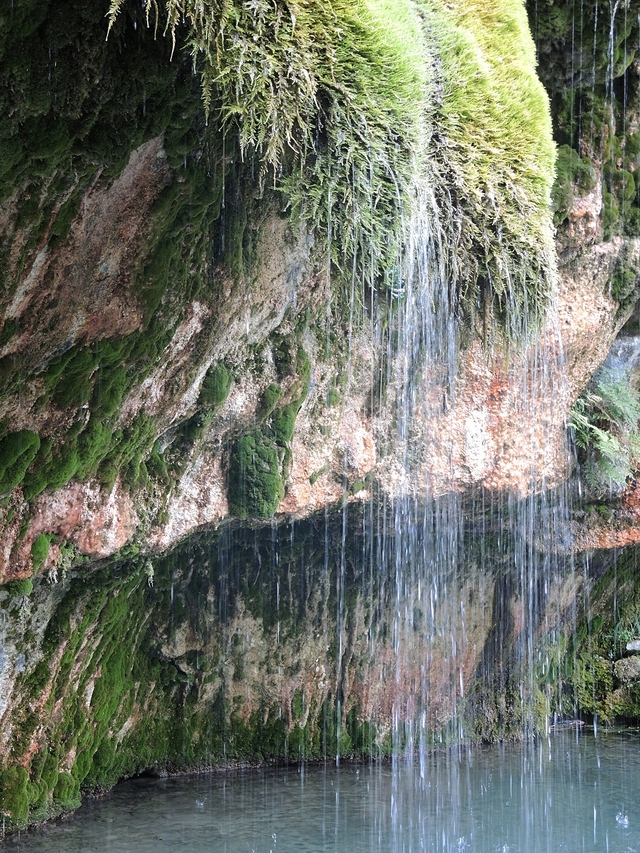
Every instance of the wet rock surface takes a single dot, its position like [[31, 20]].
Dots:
[[254, 527], [627, 670]]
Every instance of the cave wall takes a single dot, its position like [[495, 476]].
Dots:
[[296, 642], [183, 339], [232, 528]]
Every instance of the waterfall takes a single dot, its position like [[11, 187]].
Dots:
[[382, 172]]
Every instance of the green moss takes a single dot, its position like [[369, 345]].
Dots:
[[593, 683], [68, 123], [37, 679], [284, 422], [67, 791], [215, 387], [585, 657], [496, 133], [359, 143], [66, 372], [8, 330], [17, 451], [64, 218], [40, 550], [362, 734], [572, 171], [269, 399], [14, 796], [255, 482], [53, 467], [56, 116], [101, 665], [259, 461], [625, 281], [20, 588], [109, 389], [334, 397]]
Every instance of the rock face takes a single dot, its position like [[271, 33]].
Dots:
[[167, 332], [263, 645], [146, 398], [257, 502]]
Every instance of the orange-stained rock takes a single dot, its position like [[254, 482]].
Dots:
[[97, 522], [501, 426]]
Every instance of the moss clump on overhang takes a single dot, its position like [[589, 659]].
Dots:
[[494, 127], [333, 99], [340, 102], [494, 148]]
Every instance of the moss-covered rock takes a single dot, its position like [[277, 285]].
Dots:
[[346, 105], [572, 173], [17, 451], [596, 677], [40, 550], [587, 65], [256, 485]]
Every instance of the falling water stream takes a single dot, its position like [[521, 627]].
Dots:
[[571, 792]]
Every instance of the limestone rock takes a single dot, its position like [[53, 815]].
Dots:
[[627, 670]]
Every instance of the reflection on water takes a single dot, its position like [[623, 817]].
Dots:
[[573, 793]]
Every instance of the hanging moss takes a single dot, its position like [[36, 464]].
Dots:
[[54, 116], [40, 550], [625, 281], [255, 480], [495, 127], [344, 107]]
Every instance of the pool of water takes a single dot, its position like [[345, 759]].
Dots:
[[573, 792]]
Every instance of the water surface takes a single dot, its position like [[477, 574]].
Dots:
[[573, 792]]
